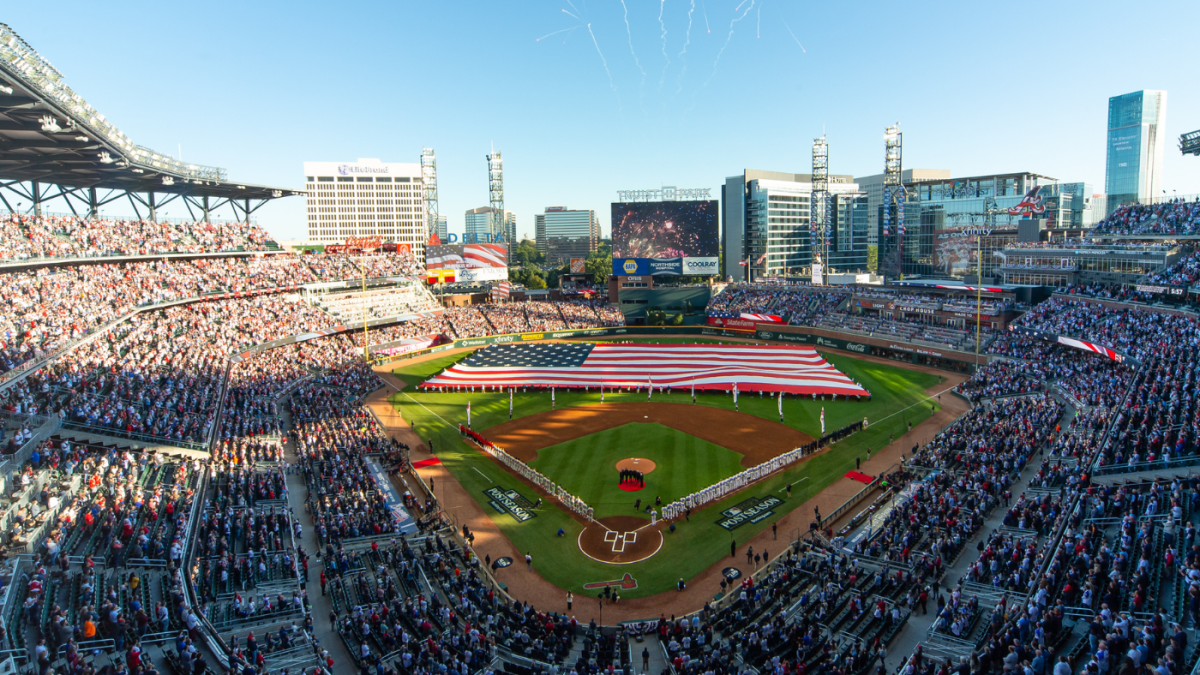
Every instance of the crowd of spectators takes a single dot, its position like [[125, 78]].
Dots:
[[1000, 378], [1175, 216], [975, 460], [27, 237], [797, 306], [1183, 272]]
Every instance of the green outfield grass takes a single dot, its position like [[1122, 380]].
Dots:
[[898, 398], [685, 464]]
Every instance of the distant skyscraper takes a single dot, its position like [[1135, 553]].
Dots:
[[442, 227], [1136, 142], [563, 233], [482, 226], [366, 198]]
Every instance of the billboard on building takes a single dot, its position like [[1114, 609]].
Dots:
[[470, 262], [578, 265], [682, 236]]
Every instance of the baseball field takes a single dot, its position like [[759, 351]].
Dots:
[[579, 443]]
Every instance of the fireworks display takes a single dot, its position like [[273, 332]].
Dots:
[[665, 229]]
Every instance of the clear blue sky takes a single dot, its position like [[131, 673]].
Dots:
[[260, 87]]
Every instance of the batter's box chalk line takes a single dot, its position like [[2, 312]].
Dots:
[[619, 539]]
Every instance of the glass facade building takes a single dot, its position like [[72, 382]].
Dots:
[[1135, 145], [948, 223], [778, 227]]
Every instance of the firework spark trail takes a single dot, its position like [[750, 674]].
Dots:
[[687, 38], [789, 30], [758, 27], [556, 33], [604, 61], [573, 6], [629, 33], [704, 10], [735, 9], [572, 15], [729, 37], [686, 41], [663, 26]]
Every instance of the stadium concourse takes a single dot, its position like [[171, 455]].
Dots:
[[202, 476]]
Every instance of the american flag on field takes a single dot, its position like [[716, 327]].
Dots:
[[794, 370], [501, 291], [465, 256]]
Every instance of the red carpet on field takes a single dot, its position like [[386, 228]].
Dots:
[[433, 461], [860, 477], [631, 486]]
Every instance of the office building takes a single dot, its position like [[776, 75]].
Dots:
[[873, 187], [564, 233], [765, 221], [1135, 146], [948, 222], [482, 225], [441, 228], [364, 199]]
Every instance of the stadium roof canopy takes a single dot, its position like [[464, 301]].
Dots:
[[50, 135]]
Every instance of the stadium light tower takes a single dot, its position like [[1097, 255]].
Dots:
[[496, 189], [818, 207], [894, 195], [429, 178], [1189, 143]]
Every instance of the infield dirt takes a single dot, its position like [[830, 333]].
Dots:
[[754, 438]]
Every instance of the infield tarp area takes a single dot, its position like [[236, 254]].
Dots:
[[749, 367]]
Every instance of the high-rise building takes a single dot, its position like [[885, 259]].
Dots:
[[442, 227], [366, 198], [873, 186], [563, 233], [1135, 146], [482, 225], [765, 222]]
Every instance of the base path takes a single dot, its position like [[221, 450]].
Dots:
[[620, 540], [754, 438]]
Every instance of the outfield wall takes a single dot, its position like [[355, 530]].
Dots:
[[946, 359]]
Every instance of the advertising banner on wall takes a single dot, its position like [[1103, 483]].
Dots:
[[647, 266], [470, 262]]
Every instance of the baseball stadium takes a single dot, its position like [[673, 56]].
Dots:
[[397, 454]]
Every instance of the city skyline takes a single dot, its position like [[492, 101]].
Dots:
[[586, 104]]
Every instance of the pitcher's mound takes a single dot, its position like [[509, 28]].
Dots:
[[635, 464], [617, 540]]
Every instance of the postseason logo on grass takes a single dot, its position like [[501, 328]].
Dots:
[[753, 510], [510, 502]]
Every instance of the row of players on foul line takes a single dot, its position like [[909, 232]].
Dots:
[[638, 388]]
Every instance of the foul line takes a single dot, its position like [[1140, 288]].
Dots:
[[784, 488], [423, 406], [927, 398], [482, 474]]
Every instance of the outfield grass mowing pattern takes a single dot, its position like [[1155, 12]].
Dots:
[[696, 545]]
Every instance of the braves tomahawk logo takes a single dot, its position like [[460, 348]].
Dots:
[[626, 582], [1032, 203]]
